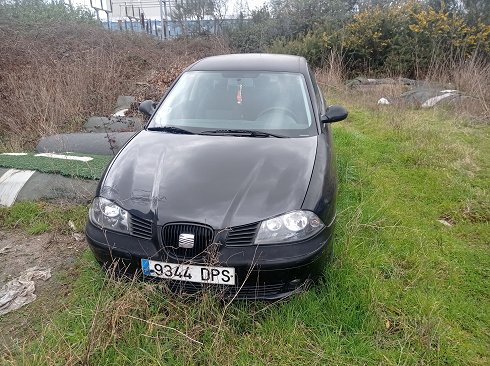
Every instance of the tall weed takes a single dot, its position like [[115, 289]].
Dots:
[[55, 75]]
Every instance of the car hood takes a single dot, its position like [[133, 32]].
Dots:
[[221, 181]]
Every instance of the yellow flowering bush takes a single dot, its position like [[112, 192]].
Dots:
[[408, 38], [403, 39], [449, 31]]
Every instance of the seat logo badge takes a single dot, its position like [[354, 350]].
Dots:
[[186, 241]]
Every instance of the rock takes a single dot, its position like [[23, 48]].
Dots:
[[124, 102]]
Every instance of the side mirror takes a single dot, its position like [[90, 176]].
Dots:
[[147, 107], [334, 113]]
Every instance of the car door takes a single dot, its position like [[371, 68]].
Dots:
[[321, 195]]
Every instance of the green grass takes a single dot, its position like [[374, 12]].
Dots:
[[39, 217], [404, 289], [71, 168]]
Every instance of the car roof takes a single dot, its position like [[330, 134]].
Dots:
[[252, 62]]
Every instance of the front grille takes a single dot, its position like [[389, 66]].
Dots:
[[203, 236], [245, 291], [242, 235], [141, 228]]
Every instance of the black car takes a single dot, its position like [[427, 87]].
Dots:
[[231, 185]]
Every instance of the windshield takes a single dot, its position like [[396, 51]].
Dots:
[[203, 101]]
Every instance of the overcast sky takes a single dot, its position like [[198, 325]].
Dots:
[[151, 7]]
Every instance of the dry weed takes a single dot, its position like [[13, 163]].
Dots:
[[472, 77], [332, 76], [469, 76], [54, 76]]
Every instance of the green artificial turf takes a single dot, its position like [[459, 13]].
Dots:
[[70, 168]]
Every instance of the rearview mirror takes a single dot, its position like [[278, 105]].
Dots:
[[334, 113], [147, 107]]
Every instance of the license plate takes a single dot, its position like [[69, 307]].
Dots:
[[187, 272]]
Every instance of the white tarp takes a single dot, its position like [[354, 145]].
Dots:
[[20, 291], [11, 182], [433, 101]]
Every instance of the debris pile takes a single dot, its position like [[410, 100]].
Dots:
[[102, 136], [425, 97], [420, 93], [20, 291]]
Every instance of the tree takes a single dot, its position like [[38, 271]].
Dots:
[[296, 17], [180, 14], [219, 8], [477, 11], [187, 12]]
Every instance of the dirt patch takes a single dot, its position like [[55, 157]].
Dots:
[[19, 251]]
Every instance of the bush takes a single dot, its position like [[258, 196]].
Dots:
[[33, 11], [311, 46], [406, 39]]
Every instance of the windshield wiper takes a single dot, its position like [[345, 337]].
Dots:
[[250, 133], [171, 129]]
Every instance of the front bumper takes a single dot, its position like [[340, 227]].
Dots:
[[262, 271]]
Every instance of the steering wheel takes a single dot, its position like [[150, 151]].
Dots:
[[287, 111]]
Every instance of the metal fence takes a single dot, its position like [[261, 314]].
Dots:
[[170, 28], [141, 16]]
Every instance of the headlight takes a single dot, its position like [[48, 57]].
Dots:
[[290, 227], [107, 215]]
